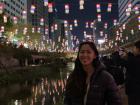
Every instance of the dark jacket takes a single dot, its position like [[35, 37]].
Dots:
[[103, 89], [133, 76]]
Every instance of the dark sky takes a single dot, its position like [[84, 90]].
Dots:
[[87, 15]]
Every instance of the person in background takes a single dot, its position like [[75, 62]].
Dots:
[[133, 76], [90, 83]]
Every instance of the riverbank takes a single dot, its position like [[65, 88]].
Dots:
[[29, 73]]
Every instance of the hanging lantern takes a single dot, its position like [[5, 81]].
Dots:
[[15, 20], [105, 25], [126, 37], [1, 8], [124, 27], [101, 33], [42, 21], [46, 31], [66, 33], [24, 13], [16, 31], [65, 23], [81, 7], [85, 35], [32, 10], [136, 9], [38, 29], [99, 17], [81, 2], [52, 29], [92, 24], [2, 29], [98, 7], [129, 7], [45, 2], [55, 27], [127, 12], [132, 32], [115, 22], [5, 19], [67, 9], [139, 26], [33, 30], [87, 25], [75, 23], [50, 7], [25, 30], [139, 19], [71, 27], [109, 7]]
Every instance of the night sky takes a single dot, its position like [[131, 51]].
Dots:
[[87, 15]]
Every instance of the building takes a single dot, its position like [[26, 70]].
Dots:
[[37, 16], [123, 6], [14, 8]]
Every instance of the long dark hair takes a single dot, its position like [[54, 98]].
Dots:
[[77, 79]]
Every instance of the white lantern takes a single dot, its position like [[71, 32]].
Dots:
[[50, 7], [66, 8]]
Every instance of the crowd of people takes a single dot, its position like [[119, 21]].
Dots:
[[96, 81]]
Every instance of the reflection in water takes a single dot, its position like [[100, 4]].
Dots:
[[48, 91]]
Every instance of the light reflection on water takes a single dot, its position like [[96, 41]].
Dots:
[[46, 92]]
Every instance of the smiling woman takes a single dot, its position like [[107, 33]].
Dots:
[[89, 83]]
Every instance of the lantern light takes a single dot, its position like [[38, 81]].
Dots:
[[98, 7], [99, 17], [109, 7], [5, 19], [32, 10], [45, 2], [15, 20], [66, 8], [50, 7], [1, 8], [136, 9]]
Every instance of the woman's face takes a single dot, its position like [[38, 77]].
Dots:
[[86, 55]]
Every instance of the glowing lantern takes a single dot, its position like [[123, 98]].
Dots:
[[75, 23], [139, 19], [99, 17], [5, 19], [101, 33], [66, 33], [139, 26], [1, 8], [136, 9], [38, 29], [2, 28], [66, 8], [45, 2], [109, 7], [52, 29], [132, 32], [55, 27], [81, 7], [92, 24], [16, 31], [32, 10], [105, 25], [65, 23], [115, 22], [123, 27], [15, 20], [42, 21], [87, 25], [98, 7], [127, 12], [33, 30], [71, 27], [50, 7], [81, 3], [46, 31], [24, 13]]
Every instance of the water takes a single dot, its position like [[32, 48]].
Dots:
[[46, 91]]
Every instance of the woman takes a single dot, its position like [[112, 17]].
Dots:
[[89, 83]]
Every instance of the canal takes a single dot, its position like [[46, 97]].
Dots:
[[43, 91]]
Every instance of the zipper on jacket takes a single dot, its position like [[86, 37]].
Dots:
[[85, 97]]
